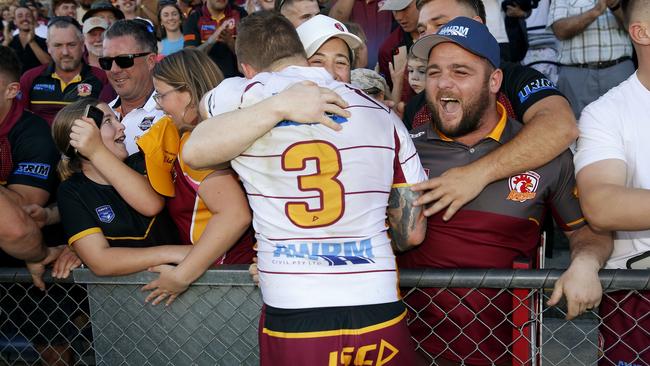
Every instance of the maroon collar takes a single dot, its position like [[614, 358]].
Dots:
[[15, 112]]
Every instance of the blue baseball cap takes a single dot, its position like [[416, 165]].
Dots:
[[465, 32]]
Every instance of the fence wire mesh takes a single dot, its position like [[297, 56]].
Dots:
[[471, 317]]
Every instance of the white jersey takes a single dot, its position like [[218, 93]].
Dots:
[[319, 198], [136, 122], [616, 127]]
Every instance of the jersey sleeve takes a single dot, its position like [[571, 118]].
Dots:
[[525, 86], [191, 33], [564, 200], [226, 97], [76, 218], [407, 168], [34, 155], [600, 135]]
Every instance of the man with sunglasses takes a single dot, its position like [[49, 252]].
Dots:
[[48, 88], [129, 55]]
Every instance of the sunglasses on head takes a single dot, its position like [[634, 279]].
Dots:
[[123, 61]]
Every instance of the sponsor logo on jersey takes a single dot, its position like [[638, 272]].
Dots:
[[416, 135], [454, 30], [36, 170], [623, 363], [523, 186], [84, 89], [105, 213], [332, 254], [44, 87], [534, 87], [146, 123], [370, 354]]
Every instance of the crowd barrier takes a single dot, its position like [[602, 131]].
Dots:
[[89, 320]]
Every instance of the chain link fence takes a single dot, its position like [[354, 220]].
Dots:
[[468, 317]]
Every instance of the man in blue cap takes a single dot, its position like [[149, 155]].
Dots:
[[502, 224]]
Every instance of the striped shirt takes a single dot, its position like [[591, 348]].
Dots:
[[603, 40]]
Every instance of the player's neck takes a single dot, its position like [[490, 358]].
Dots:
[[286, 62]]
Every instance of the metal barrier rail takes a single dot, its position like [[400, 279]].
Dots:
[[103, 320]]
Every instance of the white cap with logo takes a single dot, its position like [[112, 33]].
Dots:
[[94, 22], [317, 30]]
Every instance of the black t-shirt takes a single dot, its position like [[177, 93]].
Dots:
[[34, 157], [26, 56], [87, 207], [523, 86]]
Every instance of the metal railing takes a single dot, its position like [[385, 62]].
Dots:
[[104, 321]]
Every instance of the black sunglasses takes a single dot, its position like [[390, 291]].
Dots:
[[123, 61], [63, 19]]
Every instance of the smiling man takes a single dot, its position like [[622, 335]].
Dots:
[[502, 223], [129, 55], [48, 88]]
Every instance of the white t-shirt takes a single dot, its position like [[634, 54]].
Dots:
[[319, 198], [495, 20], [616, 127], [136, 122]]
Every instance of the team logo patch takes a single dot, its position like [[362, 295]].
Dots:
[[146, 123], [105, 214], [84, 89], [339, 26], [523, 186]]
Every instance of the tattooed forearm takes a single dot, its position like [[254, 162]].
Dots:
[[404, 218]]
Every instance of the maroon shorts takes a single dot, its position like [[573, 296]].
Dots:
[[625, 328], [348, 335]]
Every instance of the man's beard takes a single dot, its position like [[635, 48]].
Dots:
[[70, 65], [473, 111]]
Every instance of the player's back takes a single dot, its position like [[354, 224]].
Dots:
[[319, 198]]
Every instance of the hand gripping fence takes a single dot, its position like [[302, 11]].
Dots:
[[89, 320]]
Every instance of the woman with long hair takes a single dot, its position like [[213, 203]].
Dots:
[[208, 206], [170, 20], [110, 214]]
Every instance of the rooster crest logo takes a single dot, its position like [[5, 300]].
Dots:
[[523, 186]]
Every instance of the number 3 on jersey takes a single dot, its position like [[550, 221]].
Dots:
[[324, 181]]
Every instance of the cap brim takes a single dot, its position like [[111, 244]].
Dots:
[[91, 13], [423, 46], [395, 5], [350, 39], [160, 178]]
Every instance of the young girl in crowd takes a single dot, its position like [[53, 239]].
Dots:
[[170, 19], [208, 206], [110, 214]]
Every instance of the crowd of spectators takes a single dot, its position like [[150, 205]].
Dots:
[[122, 193]]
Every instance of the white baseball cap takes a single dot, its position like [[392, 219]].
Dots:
[[94, 22], [395, 5], [317, 30]]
